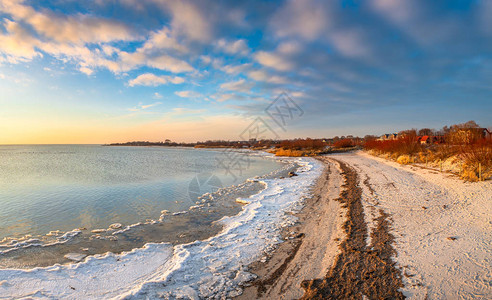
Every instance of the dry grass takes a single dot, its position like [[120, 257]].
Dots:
[[477, 160], [471, 161], [289, 152], [404, 159]]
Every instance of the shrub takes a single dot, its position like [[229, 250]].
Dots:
[[406, 145], [469, 175], [289, 152], [345, 143], [477, 154], [404, 159], [299, 144]]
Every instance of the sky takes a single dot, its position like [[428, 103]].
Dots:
[[100, 71]]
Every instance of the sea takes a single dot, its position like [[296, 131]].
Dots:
[[91, 199]]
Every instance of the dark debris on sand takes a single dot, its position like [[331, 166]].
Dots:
[[360, 269]]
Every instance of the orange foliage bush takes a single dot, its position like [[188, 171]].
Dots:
[[345, 143], [299, 144], [401, 146]]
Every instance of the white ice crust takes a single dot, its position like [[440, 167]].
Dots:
[[213, 268]]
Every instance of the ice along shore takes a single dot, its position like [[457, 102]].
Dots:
[[212, 268], [405, 232]]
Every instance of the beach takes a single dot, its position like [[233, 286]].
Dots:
[[211, 268], [311, 245], [388, 231], [349, 225]]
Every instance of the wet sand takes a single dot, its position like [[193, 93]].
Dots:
[[311, 245], [326, 255]]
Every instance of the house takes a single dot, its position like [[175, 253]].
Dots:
[[425, 139], [384, 137], [388, 136]]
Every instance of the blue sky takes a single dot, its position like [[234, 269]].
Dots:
[[111, 71]]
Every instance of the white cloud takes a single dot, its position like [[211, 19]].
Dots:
[[238, 86], [149, 79], [163, 39], [189, 21], [274, 61], [188, 94], [157, 96], [237, 47], [128, 61], [17, 44], [75, 29], [141, 106], [150, 105], [306, 19], [67, 37], [397, 11], [350, 43], [86, 70], [166, 62], [223, 97], [206, 59], [235, 69], [417, 21], [289, 48], [261, 75]]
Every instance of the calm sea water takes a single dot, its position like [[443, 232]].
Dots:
[[62, 187]]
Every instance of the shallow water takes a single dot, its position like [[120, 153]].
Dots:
[[62, 187]]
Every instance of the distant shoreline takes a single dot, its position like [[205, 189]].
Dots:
[[144, 144]]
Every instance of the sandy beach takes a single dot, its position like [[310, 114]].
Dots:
[[348, 226], [311, 246], [377, 229], [213, 268]]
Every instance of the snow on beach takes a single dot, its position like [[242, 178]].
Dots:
[[213, 268], [442, 226]]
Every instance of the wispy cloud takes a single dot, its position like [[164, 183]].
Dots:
[[141, 106], [188, 94], [275, 61], [239, 47], [337, 57], [241, 85], [149, 79]]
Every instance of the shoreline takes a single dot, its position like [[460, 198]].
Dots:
[[319, 226], [407, 233], [325, 254], [164, 270], [50, 249], [348, 226]]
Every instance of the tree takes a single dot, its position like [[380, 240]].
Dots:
[[464, 133], [370, 137], [425, 131], [467, 125], [411, 133]]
